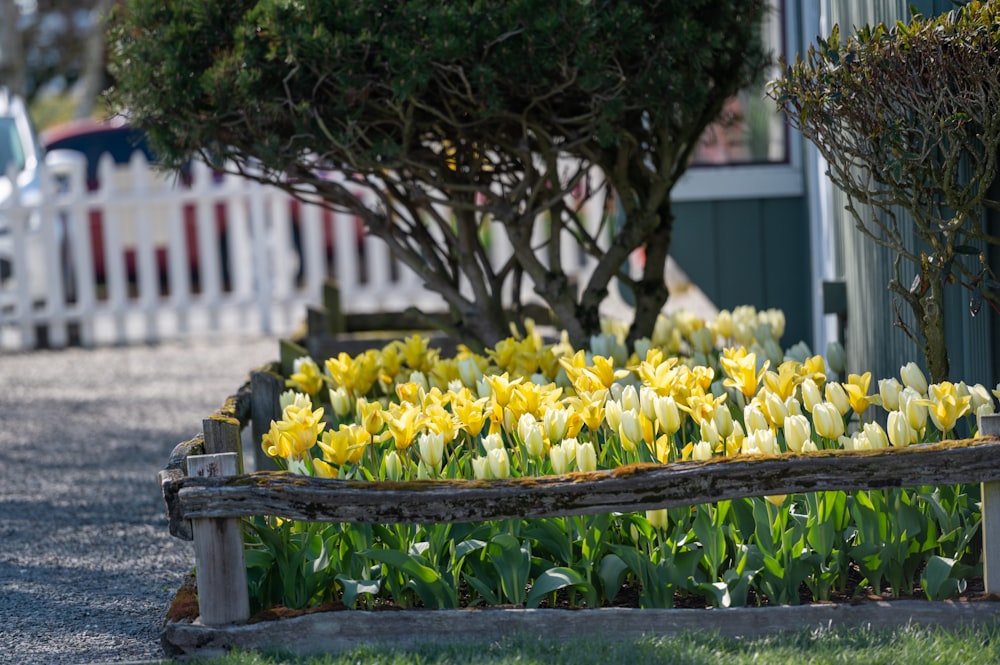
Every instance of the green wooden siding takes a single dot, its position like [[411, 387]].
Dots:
[[749, 252]]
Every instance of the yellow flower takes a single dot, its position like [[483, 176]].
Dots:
[[774, 408], [658, 519], [275, 443], [560, 459], [554, 424], [630, 429], [857, 392], [502, 387], [301, 426], [306, 376], [481, 467], [811, 395], [876, 436], [341, 401], [416, 352], [345, 445], [900, 433], [797, 431], [828, 421], [470, 414], [945, 406], [393, 466], [431, 447], [586, 457], [782, 383], [404, 422], [913, 377], [603, 371], [591, 406], [531, 435], [370, 416], [888, 390], [499, 463], [754, 418], [836, 395], [657, 374], [323, 470], [742, 370], [438, 419]]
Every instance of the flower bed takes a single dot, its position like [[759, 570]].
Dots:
[[540, 476]]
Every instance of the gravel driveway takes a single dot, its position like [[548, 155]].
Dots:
[[87, 567]]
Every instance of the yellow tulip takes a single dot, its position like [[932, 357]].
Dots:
[[659, 375], [899, 432], [856, 388], [431, 447], [481, 467], [531, 435], [945, 406], [499, 463], [502, 387], [741, 367], [603, 371], [470, 414], [702, 451], [913, 377], [710, 433], [775, 409], [668, 417], [586, 457], [888, 390], [630, 429], [914, 406], [345, 445], [734, 442], [836, 395], [559, 459], [554, 424], [404, 422], [828, 421], [876, 436], [797, 431], [306, 376], [370, 416], [393, 466], [658, 519], [323, 470], [811, 395], [754, 418], [782, 383]]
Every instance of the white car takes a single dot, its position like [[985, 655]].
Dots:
[[20, 162]]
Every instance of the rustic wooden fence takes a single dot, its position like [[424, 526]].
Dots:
[[206, 499]]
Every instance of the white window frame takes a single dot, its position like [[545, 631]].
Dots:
[[751, 181]]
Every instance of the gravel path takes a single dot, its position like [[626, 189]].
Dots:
[[87, 567]]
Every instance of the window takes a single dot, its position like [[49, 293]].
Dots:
[[749, 152]]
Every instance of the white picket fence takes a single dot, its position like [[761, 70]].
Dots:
[[215, 255]]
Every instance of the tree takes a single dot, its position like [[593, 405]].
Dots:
[[495, 109], [906, 120]]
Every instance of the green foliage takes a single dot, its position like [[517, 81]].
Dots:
[[469, 105], [726, 553]]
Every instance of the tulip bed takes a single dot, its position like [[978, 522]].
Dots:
[[529, 407]]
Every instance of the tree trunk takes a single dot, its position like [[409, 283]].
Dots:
[[929, 310], [651, 291]]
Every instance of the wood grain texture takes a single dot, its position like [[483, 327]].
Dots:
[[631, 488]]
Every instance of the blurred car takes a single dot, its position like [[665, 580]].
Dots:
[[20, 163], [93, 139]]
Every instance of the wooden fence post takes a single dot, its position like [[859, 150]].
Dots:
[[265, 393], [989, 425], [223, 597]]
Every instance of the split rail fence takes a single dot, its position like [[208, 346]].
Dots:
[[144, 258]]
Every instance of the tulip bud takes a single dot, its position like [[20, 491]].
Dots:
[[888, 390], [667, 415], [754, 418], [647, 402], [827, 420], [800, 352], [341, 402], [723, 418], [876, 435], [913, 377], [492, 441], [836, 395], [811, 395], [900, 433], [630, 399], [630, 429], [431, 446], [531, 436], [658, 518], [701, 451], [554, 424], [393, 466], [586, 457], [916, 413], [499, 463], [557, 455], [710, 433], [797, 432], [702, 340], [776, 408], [481, 467], [613, 414], [469, 372]]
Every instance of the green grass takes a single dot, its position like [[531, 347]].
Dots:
[[912, 645]]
